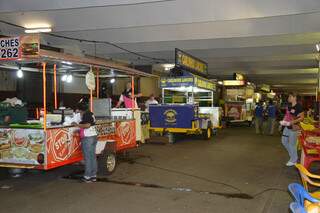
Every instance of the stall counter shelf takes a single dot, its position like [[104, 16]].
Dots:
[[37, 148]]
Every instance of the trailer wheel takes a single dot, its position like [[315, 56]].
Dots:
[[207, 134], [107, 163]]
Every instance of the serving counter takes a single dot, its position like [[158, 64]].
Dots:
[[23, 146]]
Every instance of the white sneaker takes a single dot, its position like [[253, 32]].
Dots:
[[290, 164]]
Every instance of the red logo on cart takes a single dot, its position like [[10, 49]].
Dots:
[[126, 132], [60, 146]]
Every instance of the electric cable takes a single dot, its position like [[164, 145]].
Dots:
[[212, 181], [154, 59]]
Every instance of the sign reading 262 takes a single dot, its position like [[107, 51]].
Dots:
[[10, 48]]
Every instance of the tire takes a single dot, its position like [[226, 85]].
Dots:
[[207, 134], [107, 163]]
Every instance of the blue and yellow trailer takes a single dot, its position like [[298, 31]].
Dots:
[[187, 107]]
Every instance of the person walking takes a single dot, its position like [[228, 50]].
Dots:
[[259, 118], [291, 122], [89, 140], [272, 111]]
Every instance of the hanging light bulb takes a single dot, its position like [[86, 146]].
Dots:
[[20, 72], [64, 77], [69, 78], [112, 80]]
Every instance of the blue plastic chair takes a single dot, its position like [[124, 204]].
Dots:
[[300, 194], [297, 208]]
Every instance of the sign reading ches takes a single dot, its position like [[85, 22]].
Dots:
[[10, 48], [190, 63]]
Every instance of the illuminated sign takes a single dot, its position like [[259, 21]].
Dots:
[[190, 63], [205, 84], [233, 83], [194, 81], [176, 82]]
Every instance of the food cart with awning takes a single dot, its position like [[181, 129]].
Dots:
[[239, 100], [49, 142], [187, 101]]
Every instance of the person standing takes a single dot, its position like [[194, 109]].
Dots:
[[151, 101], [126, 97], [292, 119], [259, 118], [272, 111], [89, 140]]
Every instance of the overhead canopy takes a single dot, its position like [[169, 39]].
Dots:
[[26, 51]]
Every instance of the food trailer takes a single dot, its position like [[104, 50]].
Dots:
[[187, 103], [239, 101], [50, 141]]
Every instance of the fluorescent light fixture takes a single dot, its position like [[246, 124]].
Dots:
[[38, 30], [66, 62], [168, 67], [318, 47], [19, 73], [220, 82], [233, 83], [69, 78], [112, 80], [64, 78]]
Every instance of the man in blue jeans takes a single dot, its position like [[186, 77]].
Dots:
[[259, 118], [88, 143], [272, 110], [289, 135]]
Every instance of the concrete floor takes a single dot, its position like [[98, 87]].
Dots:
[[191, 173]]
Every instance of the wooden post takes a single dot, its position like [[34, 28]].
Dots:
[[98, 83], [44, 95], [132, 93], [55, 86]]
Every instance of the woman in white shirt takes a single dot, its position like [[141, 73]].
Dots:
[[150, 101]]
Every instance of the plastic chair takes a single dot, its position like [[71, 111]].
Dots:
[[309, 179], [310, 152], [297, 208], [300, 194]]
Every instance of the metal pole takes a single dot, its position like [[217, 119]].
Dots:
[[44, 96], [55, 86], [91, 100], [98, 83], [318, 86], [132, 93], [162, 95], [212, 99], [192, 95]]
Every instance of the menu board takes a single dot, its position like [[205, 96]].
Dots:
[[22, 146]]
